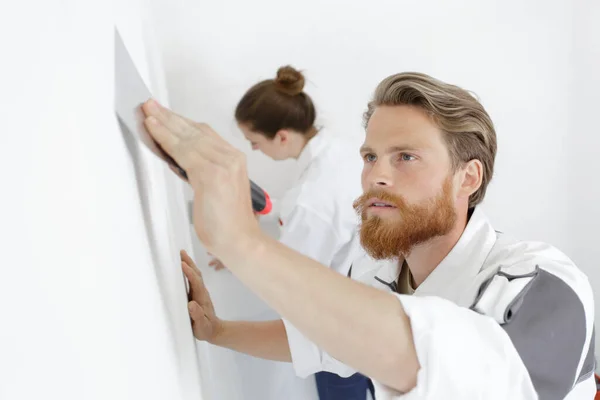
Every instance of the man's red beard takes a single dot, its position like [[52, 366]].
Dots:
[[412, 225]]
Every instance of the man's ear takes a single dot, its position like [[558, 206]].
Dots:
[[471, 178]]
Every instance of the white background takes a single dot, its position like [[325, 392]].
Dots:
[[534, 65], [82, 313], [92, 297]]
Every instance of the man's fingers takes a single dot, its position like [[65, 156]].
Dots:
[[186, 257], [177, 124], [192, 273], [201, 325], [174, 123], [205, 326], [162, 135], [189, 267], [193, 145], [190, 277], [196, 311], [172, 133], [200, 293], [196, 283]]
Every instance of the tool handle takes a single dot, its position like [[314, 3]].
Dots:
[[261, 202]]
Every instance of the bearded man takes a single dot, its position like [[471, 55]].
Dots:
[[462, 311]]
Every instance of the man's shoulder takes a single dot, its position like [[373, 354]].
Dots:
[[534, 275], [545, 305], [518, 257]]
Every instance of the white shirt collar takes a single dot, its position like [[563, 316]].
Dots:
[[310, 151], [464, 261]]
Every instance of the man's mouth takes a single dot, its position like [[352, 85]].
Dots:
[[379, 204]]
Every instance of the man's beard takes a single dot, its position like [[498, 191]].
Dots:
[[416, 223]]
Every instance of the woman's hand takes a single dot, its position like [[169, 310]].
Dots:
[[217, 264]]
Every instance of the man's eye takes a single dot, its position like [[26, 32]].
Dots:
[[370, 157], [406, 157]]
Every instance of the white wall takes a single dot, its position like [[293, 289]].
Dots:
[[92, 300], [91, 296], [516, 55], [584, 144], [510, 53], [89, 305]]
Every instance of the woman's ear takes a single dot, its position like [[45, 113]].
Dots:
[[283, 136], [471, 178]]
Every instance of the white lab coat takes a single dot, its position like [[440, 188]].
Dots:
[[497, 319], [316, 214]]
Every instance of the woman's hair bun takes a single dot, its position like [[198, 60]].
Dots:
[[289, 81]]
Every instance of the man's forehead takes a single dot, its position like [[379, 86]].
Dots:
[[401, 126]]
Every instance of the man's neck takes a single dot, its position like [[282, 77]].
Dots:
[[424, 258]]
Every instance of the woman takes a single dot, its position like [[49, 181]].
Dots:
[[316, 215]]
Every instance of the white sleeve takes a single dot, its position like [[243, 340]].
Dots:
[[534, 341], [311, 235]]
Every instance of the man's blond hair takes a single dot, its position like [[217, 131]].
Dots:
[[468, 129]]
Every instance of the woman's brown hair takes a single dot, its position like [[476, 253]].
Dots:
[[276, 104]]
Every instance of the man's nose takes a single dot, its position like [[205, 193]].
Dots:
[[380, 175]]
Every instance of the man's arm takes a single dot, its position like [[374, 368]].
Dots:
[[314, 236], [266, 339], [529, 335], [358, 325], [263, 339]]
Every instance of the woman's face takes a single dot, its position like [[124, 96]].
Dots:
[[274, 148]]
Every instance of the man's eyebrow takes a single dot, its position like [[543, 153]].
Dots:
[[397, 149], [393, 149]]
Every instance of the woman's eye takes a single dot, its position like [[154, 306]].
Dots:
[[406, 157]]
